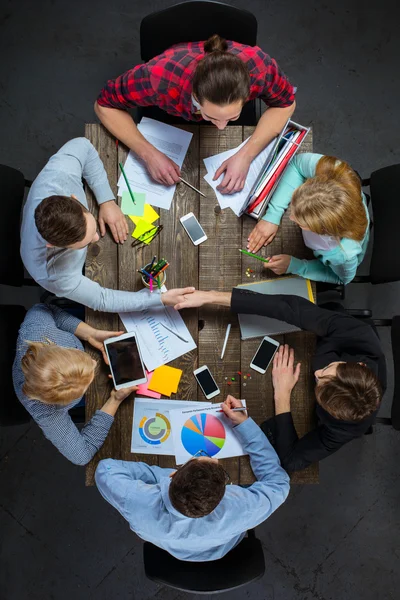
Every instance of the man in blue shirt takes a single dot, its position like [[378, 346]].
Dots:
[[190, 512]]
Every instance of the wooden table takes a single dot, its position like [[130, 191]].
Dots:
[[215, 264]]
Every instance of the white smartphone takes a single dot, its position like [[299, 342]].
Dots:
[[193, 229], [264, 354], [206, 382], [125, 360]]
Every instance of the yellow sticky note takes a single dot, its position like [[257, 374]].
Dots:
[[142, 228], [149, 215], [165, 380]]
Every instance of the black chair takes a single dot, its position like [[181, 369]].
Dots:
[[13, 186], [385, 260], [394, 323], [12, 412], [195, 21], [240, 566]]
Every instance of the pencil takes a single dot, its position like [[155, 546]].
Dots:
[[127, 183], [152, 263], [147, 274], [158, 283], [228, 330], [192, 186], [151, 286], [254, 255]]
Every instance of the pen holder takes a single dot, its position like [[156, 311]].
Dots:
[[145, 279]]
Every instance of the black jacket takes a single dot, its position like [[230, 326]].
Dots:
[[340, 338]]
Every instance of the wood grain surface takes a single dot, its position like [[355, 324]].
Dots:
[[215, 264]]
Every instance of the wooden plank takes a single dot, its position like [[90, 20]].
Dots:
[[129, 261], [219, 269], [183, 256], [102, 267]]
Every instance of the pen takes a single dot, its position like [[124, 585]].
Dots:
[[147, 274], [192, 186], [254, 255], [151, 286], [228, 330], [127, 183], [235, 409], [174, 332], [152, 263]]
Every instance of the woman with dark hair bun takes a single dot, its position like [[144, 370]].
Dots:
[[209, 81]]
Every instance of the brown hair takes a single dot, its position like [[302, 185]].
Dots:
[[197, 488], [220, 77], [352, 394], [331, 203], [55, 375], [61, 220]]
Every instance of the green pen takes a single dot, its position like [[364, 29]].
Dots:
[[127, 183], [254, 255]]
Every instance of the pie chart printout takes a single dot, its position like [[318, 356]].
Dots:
[[155, 430], [203, 432]]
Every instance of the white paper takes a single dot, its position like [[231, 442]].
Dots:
[[192, 428], [169, 140], [151, 428], [159, 346], [235, 201]]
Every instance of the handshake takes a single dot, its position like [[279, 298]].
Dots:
[[189, 297]]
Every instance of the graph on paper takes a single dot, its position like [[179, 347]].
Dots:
[[158, 344]]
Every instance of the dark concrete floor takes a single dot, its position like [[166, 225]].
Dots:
[[337, 540]]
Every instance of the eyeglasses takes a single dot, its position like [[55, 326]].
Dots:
[[201, 453], [147, 236]]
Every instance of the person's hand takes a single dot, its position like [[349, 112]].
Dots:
[[97, 337], [119, 395], [110, 214], [279, 263], [161, 168], [176, 297], [262, 235], [194, 300], [284, 377], [236, 417], [236, 168]]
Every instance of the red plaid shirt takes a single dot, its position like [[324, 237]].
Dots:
[[166, 81]]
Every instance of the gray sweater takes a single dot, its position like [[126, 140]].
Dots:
[[59, 270]]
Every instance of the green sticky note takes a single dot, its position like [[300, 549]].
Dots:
[[129, 208]]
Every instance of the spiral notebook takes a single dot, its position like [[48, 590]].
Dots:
[[252, 326]]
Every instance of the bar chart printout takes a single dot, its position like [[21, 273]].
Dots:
[[162, 333]]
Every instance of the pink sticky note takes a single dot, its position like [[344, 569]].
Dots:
[[143, 388]]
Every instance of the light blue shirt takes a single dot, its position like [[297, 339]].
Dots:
[[59, 270], [141, 494], [337, 264]]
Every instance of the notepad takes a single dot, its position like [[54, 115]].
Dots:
[[165, 380], [143, 388], [252, 326], [129, 208], [149, 215]]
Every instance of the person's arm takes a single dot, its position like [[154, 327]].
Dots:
[[316, 270], [83, 290], [115, 478], [296, 311], [79, 158], [296, 454], [134, 88], [302, 167], [263, 497]]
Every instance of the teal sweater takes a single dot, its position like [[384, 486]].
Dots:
[[338, 265]]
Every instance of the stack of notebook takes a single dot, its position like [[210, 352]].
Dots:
[[285, 148], [252, 326]]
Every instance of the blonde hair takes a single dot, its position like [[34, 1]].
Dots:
[[55, 375], [330, 203]]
